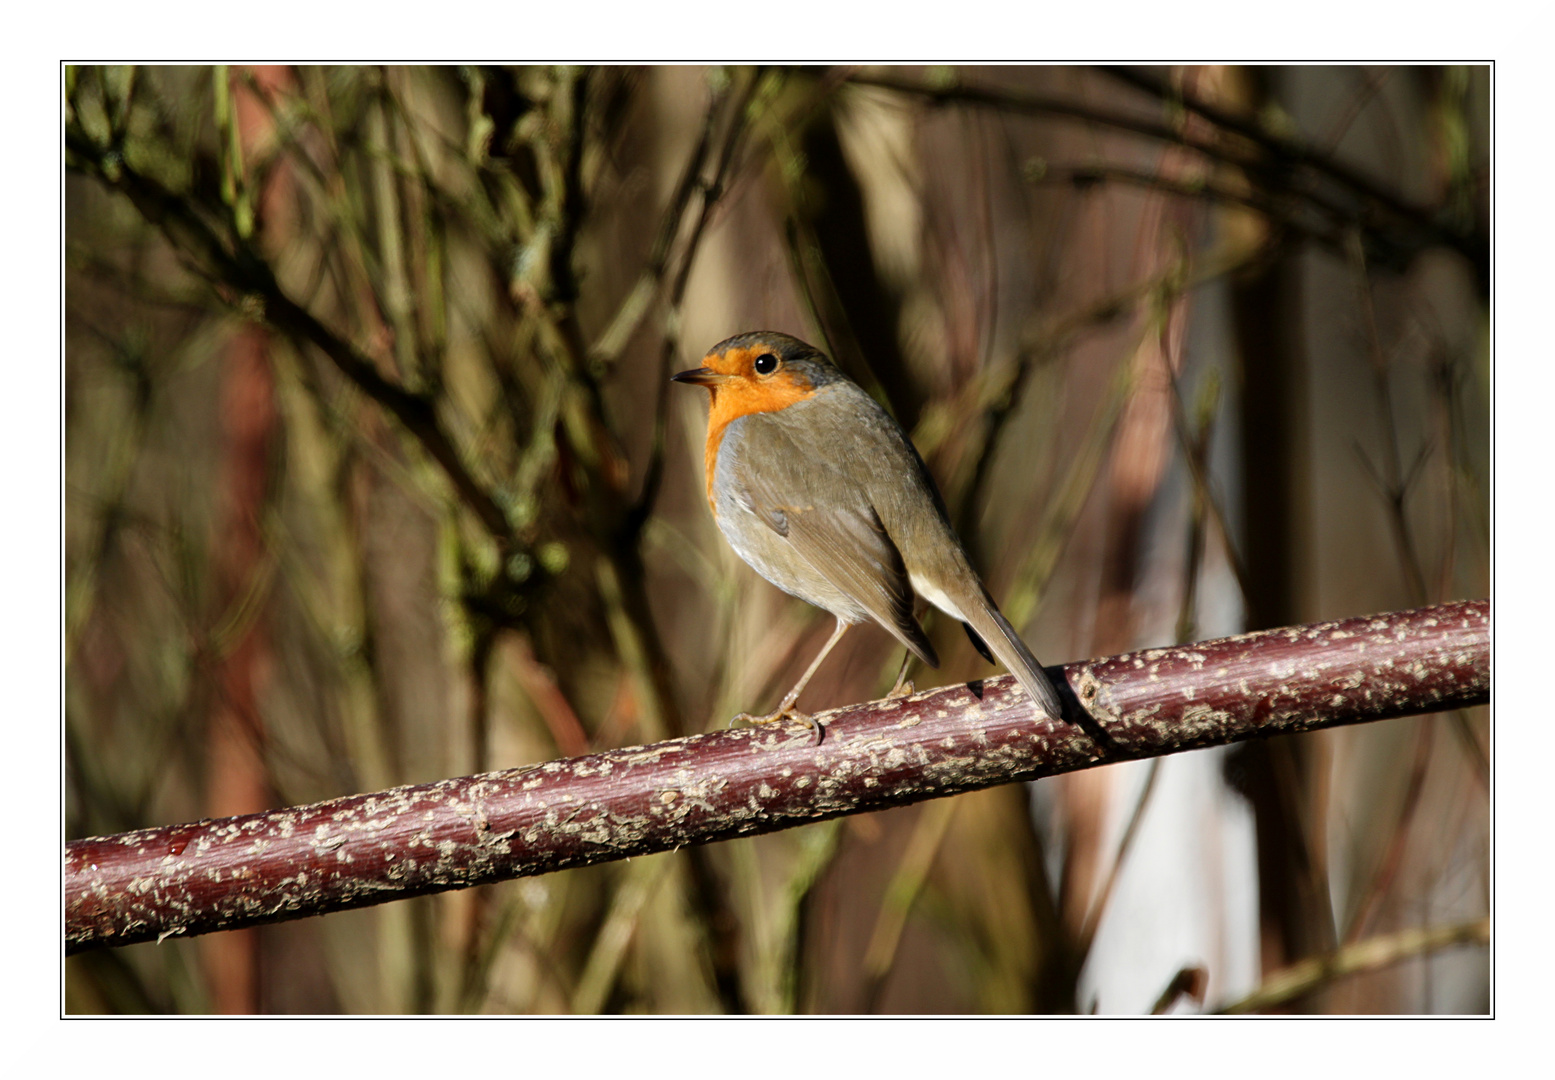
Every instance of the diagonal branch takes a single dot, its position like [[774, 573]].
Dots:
[[367, 849], [231, 263], [1287, 167], [1355, 958], [1287, 149]]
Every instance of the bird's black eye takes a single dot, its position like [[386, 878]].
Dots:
[[766, 364]]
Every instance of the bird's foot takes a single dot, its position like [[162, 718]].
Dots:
[[905, 688], [790, 713]]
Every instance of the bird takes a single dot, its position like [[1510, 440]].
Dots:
[[816, 487]]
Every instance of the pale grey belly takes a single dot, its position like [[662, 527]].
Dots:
[[765, 549], [775, 559]]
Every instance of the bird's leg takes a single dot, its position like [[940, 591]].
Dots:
[[792, 696], [786, 708], [904, 685]]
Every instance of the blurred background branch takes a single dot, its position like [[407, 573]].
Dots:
[[374, 477]]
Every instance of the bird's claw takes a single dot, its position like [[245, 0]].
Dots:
[[782, 714]]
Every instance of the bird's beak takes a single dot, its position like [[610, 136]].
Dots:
[[701, 376]]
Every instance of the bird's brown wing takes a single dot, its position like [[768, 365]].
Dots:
[[828, 519]]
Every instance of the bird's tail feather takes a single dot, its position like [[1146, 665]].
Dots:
[[1012, 652]]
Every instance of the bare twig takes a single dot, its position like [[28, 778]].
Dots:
[[1394, 481], [1283, 212], [235, 265], [1387, 869], [1098, 907], [1193, 452], [900, 896], [1189, 982], [1288, 167], [1370, 955], [712, 193], [1292, 151], [367, 849], [1371, 83]]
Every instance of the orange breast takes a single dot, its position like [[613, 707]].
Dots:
[[741, 397]]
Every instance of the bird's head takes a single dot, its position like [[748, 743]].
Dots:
[[762, 371]]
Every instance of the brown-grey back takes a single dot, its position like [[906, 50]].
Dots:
[[853, 443]]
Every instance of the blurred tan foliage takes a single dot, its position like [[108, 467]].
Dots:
[[374, 476]]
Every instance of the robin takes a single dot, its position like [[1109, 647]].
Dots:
[[815, 486]]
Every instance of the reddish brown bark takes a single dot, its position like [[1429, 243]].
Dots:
[[367, 849], [238, 780]]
